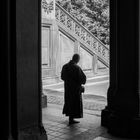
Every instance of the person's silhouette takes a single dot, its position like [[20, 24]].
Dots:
[[73, 78]]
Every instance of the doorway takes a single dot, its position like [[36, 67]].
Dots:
[[62, 36]]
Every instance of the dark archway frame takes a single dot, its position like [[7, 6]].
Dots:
[[22, 81], [121, 115]]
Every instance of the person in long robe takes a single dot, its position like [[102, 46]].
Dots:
[[73, 78]]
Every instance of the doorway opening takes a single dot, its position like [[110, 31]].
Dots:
[[70, 27]]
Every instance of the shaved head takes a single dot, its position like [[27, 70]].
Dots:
[[76, 58]]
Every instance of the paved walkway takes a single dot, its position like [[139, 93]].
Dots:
[[89, 128], [90, 102]]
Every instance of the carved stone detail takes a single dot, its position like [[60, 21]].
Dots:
[[77, 29], [57, 13], [62, 16], [69, 23], [88, 41], [83, 34], [48, 7], [94, 44]]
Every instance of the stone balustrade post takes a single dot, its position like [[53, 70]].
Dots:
[[95, 64]]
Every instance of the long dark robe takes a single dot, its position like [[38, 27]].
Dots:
[[73, 78]]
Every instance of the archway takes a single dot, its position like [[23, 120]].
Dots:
[[62, 36], [23, 80]]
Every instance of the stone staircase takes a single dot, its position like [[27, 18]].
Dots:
[[65, 22], [75, 29], [68, 25], [96, 80]]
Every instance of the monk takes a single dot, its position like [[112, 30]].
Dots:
[[73, 78]]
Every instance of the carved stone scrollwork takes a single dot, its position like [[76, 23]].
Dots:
[[99, 48], [57, 13], [48, 7], [88, 41], [69, 23], [83, 34], [103, 52], [94, 45], [77, 29], [62, 17]]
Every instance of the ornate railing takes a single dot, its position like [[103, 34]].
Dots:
[[53, 10], [83, 34]]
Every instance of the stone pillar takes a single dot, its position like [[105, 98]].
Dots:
[[48, 19], [77, 50], [28, 70], [77, 47], [121, 116], [56, 57], [95, 63]]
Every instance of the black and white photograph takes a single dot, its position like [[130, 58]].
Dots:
[[71, 70]]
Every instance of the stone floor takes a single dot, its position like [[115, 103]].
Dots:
[[89, 128], [90, 102]]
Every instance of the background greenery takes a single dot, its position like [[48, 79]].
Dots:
[[92, 14]]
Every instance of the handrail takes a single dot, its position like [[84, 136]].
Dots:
[[64, 18]]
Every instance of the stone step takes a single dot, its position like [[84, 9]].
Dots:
[[56, 80], [90, 81], [97, 79]]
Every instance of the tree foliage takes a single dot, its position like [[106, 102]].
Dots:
[[92, 14]]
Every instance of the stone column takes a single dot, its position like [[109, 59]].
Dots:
[[56, 54], [48, 18], [28, 70], [77, 47], [95, 63], [121, 116], [77, 50]]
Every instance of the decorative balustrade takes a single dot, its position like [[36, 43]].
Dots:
[[81, 32], [48, 7]]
